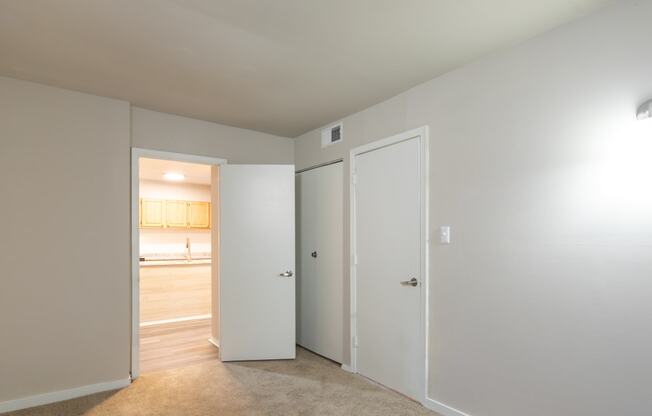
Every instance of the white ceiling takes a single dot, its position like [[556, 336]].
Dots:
[[153, 169], [278, 66]]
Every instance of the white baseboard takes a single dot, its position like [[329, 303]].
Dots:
[[443, 409], [58, 396], [347, 368], [214, 341], [175, 320]]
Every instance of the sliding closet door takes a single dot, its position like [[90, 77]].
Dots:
[[319, 260]]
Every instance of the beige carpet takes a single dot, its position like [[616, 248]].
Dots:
[[309, 385]]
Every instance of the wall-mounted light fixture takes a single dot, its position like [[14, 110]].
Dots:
[[644, 111]]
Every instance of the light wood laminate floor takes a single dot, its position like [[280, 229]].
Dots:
[[168, 346]]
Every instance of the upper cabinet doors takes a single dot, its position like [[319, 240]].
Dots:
[[160, 213], [176, 213], [199, 214], [151, 213]]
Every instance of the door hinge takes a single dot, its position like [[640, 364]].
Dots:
[[355, 178], [355, 341]]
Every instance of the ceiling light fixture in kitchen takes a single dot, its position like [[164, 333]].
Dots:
[[174, 176]]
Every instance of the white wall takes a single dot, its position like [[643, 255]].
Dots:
[[160, 131], [65, 246], [156, 242], [64, 251], [541, 305], [171, 190]]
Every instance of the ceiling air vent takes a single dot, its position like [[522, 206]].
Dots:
[[331, 135]]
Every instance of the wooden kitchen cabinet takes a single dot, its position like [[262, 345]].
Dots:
[[160, 213], [151, 213], [199, 215], [171, 292], [176, 213]]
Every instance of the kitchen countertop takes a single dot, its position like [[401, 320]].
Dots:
[[173, 262]]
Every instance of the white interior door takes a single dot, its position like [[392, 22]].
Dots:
[[256, 262], [388, 239], [319, 261]]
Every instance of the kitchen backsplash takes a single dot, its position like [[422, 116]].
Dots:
[[169, 244]]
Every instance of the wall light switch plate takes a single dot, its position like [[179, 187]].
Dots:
[[445, 234]]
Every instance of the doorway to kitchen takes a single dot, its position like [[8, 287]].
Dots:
[[175, 310], [251, 222], [175, 263]]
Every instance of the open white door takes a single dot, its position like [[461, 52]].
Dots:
[[256, 261]]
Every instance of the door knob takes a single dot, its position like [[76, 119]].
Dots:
[[314, 254], [412, 282], [287, 274]]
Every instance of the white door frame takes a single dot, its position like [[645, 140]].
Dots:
[[422, 134], [136, 154]]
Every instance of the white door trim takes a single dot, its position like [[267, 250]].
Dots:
[[422, 134], [137, 153]]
